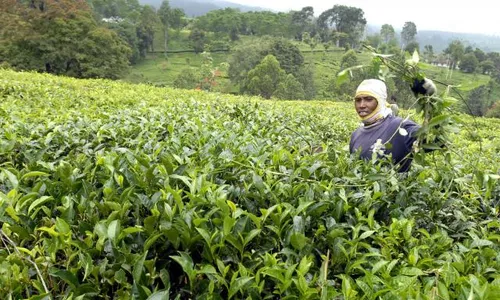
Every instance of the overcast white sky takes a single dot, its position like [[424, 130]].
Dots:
[[477, 16]]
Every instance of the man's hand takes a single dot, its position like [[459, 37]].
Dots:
[[423, 87]]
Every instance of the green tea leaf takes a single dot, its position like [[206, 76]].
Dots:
[[138, 268], [160, 295], [238, 284], [39, 202], [113, 230], [67, 276]]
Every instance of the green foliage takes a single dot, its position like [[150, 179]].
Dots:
[[412, 47], [248, 55], [61, 39], [189, 78], [349, 59], [198, 40], [290, 89], [170, 18], [344, 19], [469, 63], [264, 79], [478, 101], [125, 9], [487, 66], [374, 40], [233, 23], [494, 111], [428, 53], [136, 192], [136, 40], [302, 22], [408, 33], [387, 33], [456, 51], [288, 55], [206, 77]]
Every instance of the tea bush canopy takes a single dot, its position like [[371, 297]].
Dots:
[[112, 190]]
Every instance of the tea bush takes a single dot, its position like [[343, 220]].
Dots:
[[117, 191]]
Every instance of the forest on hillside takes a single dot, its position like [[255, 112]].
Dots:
[[265, 50]]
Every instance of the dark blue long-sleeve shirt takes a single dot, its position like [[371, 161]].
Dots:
[[401, 145]]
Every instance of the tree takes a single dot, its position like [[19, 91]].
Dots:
[[412, 47], [227, 21], [288, 54], [198, 40], [469, 63], [478, 101], [455, 50], [187, 79], [301, 21], [487, 66], [148, 21], [249, 54], [349, 59], [128, 32], [123, 9], [264, 79], [290, 89], [429, 53], [408, 33], [480, 55], [177, 18], [60, 37], [164, 14], [305, 76], [311, 41], [374, 40], [387, 33], [345, 19]]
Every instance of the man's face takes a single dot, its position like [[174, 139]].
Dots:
[[365, 105]]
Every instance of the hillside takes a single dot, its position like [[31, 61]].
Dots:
[[132, 191], [195, 8]]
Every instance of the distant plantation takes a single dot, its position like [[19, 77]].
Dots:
[[119, 191]]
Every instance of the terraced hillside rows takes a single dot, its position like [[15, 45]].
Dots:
[[118, 191]]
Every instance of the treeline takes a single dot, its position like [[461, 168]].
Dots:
[[341, 25]]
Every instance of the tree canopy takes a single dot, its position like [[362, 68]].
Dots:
[[60, 37], [345, 19]]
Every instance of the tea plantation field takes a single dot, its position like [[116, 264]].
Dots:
[[117, 191]]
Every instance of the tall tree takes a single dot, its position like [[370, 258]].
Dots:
[[408, 33], [455, 51], [480, 55], [177, 18], [148, 22], [164, 13], [198, 39], [387, 33], [301, 21], [429, 53], [344, 19]]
